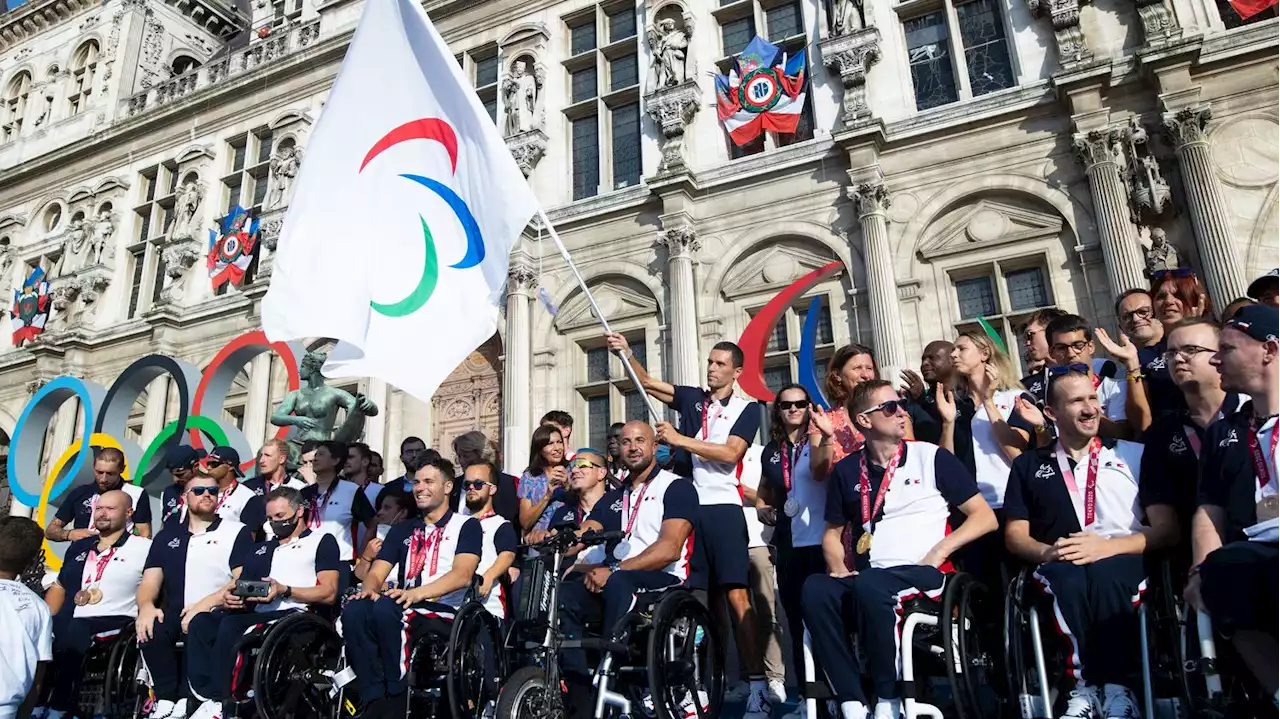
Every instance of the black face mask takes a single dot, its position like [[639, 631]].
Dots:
[[284, 527]]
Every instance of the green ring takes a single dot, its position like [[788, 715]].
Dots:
[[195, 421]]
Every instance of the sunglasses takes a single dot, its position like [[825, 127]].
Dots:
[[584, 463], [889, 408], [476, 484], [1175, 272], [797, 404], [1073, 368], [213, 464], [201, 491]]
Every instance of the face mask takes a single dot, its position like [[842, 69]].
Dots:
[[282, 528], [382, 530], [663, 455]]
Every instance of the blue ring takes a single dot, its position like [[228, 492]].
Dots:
[[807, 357], [30, 448]]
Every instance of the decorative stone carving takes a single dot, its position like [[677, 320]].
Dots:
[[672, 109], [872, 198], [668, 46], [1186, 126], [847, 16], [75, 250], [1149, 194], [46, 107], [528, 148], [521, 278], [1099, 146], [1159, 24], [680, 241], [1102, 152], [153, 40], [178, 258], [187, 223], [103, 229], [269, 232], [852, 54], [284, 168], [1161, 255], [1065, 17], [522, 96], [313, 408], [36, 385]]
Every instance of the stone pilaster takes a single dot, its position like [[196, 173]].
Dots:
[[516, 370], [852, 55], [682, 244], [672, 108], [872, 200], [157, 401], [258, 403], [1073, 50], [1219, 261], [1101, 152]]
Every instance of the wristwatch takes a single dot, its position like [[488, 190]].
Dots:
[[288, 592], [613, 565]]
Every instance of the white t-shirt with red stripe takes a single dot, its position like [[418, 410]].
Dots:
[[646, 507]]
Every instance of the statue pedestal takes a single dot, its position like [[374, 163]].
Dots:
[[528, 147], [852, 54], [178, 258], [672, 108], [74, 296]]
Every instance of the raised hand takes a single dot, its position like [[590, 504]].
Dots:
[[945, 399], [822, 421], [912, 384], [1030, 412], [1125, 352], [617, 343]]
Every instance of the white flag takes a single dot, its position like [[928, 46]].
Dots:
[[398, 237]]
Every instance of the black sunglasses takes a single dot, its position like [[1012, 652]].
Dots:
[[889, 408], [476, 484], [201, 490], [1074, 367], [797, 404]]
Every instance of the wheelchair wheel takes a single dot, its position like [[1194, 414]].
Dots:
[[971, 670], [472, 680], [526, 696], [294, 669], [685, 660], [125, 694]]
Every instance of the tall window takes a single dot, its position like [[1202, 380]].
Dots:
[[481, 66], [83, 65], [972, 30], [285, 12], [153, 219], [15, 105], [607, 391], [604, 95], [1004, 293], [249, 161], [782, 351]]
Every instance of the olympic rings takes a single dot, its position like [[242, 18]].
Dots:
[[105, 416]]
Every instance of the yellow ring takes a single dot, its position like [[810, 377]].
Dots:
[[95, 440]]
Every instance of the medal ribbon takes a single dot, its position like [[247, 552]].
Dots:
[[707, 425], [418, 547], [635, 512], [100, 561], [222, 496], [790, 458], [317, 513], [864, 482], [1255, 451], [1090, 478], [1193, 439]]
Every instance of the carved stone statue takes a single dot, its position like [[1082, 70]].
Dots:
[[45, 108], [75, 251], [1161, 255], [284, 168], [190, 195], [103, 228], [847, 16], [313, 408], [520, 100], [668, 44]]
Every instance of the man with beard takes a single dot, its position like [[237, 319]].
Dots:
[[376, 468], [499, 551], [473, 448], [78, 507], [273, 471], [181, 461], [235, 501], [101, 576], [409, 447], [1234, 536], [920, 389], [1073, 509]]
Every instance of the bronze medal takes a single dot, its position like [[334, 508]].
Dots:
[[95, 595], [81, 598], [1268, 508], [864, 543]]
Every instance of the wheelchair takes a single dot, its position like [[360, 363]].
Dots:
[[109, 677], [948, 654], [285, 668]]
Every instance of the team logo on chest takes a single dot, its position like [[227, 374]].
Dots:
[[776, 458], [1045, 471], [1178, 445], [261, 550], [174, 544], [1157, 363], [616, 506], [83, 556], [1230, 439]]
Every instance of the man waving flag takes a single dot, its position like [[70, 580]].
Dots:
[[397, 240]]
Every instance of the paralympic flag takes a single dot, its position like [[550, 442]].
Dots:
[[398, 237], [764, 90]]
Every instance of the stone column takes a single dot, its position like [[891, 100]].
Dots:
[[157, 403], [1219, 261], [872, 200], [258, 404], [682, 243], [375, 428], [516, 374], [1101, 154]]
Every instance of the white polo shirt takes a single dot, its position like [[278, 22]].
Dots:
[[197, 564], [345, 509], [1112, 394], [454, 534], [297, 563], [122, 565], [243, 505], [27, 640], [666, 496], [716, 482], [749, 477], [990, 464], [499, 537]]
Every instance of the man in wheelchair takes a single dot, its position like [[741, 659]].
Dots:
[[100, 577], [659, 510], [1072, 509], [435, 555], [908, 559], [296, 569]]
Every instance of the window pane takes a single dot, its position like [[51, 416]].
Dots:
[[784, 21], [775, 378], [635, 407], [930, 60], [735, 34], [144, 224], [824, 334], [1027, 289], [486, 71], [157, 285], [259, 190], [237, 159], [586, 158], [986, 54], [151, 186], [598, 365], [778, 339], [626, 145], [491, 107], [623, 73], [582, 37], [804, 128], [754, 147], [638, 350], [264, 147], [597, 420], [233, 193], [622, 24], [977, 297], [584, 84], [135, 282]]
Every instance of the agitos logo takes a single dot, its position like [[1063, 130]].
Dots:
[[104, 415], [755, 338]]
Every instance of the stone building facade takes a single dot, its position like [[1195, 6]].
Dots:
[[959, 159]]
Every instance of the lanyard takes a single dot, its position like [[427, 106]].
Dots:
[[791, 459], [1255, 451], [223, 496], [1090, 479], [635, 511], [101, 561], [1193, 439], [864, 482], [418, 551], [708, 424], [177, 508], [317, 513]]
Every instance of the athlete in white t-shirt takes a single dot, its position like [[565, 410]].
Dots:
[[236, 502], [26, 642], [479, 487], [335, 506]]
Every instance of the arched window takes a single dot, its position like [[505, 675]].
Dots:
[[83, 66], [15, 105], [183, 64]]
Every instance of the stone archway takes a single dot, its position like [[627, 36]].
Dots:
[[470, 398]]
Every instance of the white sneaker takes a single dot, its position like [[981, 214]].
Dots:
[[888, 709], [1082, 704], [758, 706], [689, 710], [778, 690], [1119, 703], [849, 710], [208, 710], [737, 692]]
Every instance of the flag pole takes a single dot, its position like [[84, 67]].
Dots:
[[626, 362]]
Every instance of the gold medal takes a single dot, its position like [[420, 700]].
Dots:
[[864, 543], [1268, 508], [95, 595], [81, 598]]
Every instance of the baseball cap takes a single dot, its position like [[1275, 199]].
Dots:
[[1257, 286], [223, 455], [1257, 321], [182, 457]]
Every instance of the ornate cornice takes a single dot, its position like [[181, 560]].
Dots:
[[528, 148], [852, 55], [872, 198], [521, 279], [1098, 147], [681, 242], [1186, 126], [1064, 15], [35, 17]]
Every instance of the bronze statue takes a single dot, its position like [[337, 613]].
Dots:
[[313, 408]]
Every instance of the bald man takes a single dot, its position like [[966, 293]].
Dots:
[[100, 576], [920, 390]]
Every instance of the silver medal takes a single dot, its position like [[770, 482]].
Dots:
[[620, 550], [791, 507]]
